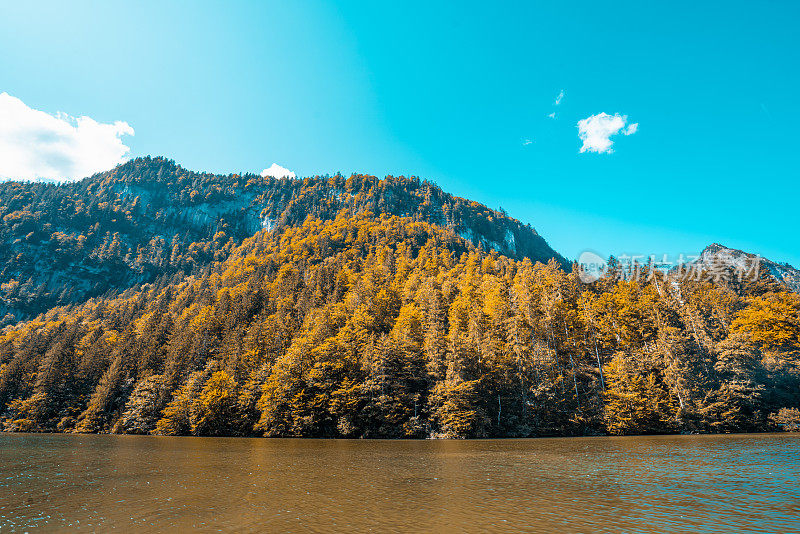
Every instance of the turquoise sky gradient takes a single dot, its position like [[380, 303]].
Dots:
[[451, 94]]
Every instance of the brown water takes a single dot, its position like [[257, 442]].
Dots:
[[741, 483]]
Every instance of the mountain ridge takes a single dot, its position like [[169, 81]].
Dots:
[[150, 217]]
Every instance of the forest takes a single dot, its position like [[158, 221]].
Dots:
[[370, 324]]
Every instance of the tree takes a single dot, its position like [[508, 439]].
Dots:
[[144, 406], [771, 321], [736, 403], [787, 419], [636, 401], [176, 417], [213, 412], [459, 414]]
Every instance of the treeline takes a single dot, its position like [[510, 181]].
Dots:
[[392, 327], [149, 217]]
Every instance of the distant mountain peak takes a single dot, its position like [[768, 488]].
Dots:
[[716, 256]]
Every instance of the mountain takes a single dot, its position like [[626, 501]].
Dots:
[[736, 265], [155, 300], [151, 218]]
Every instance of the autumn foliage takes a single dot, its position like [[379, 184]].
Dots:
[[388, 326]]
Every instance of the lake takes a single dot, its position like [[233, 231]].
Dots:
[[732, 483]]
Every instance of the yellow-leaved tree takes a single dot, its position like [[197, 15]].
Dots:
[[636, 402], [772, 321], [212, 413]]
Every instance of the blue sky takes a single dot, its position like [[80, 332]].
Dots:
[[460, 95]]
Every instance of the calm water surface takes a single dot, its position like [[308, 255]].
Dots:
[[741, 483]]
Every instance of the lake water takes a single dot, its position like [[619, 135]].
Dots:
[[739, 483]]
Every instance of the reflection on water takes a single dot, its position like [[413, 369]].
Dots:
[[741, 483]]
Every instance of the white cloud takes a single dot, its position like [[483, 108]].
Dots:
[[37, 145], [552, 115], [596, 131], [526, 142], [559, 98], [276, 171]]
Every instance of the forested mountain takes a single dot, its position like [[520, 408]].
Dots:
[[150, 218], [377, 325]]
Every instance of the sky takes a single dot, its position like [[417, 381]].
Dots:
[[616, 127]]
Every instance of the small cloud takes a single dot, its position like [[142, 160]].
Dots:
[[526, 142], [552, 115], [36, 145], [559, 98], [596, 131], [631, 129], [276, 171]]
